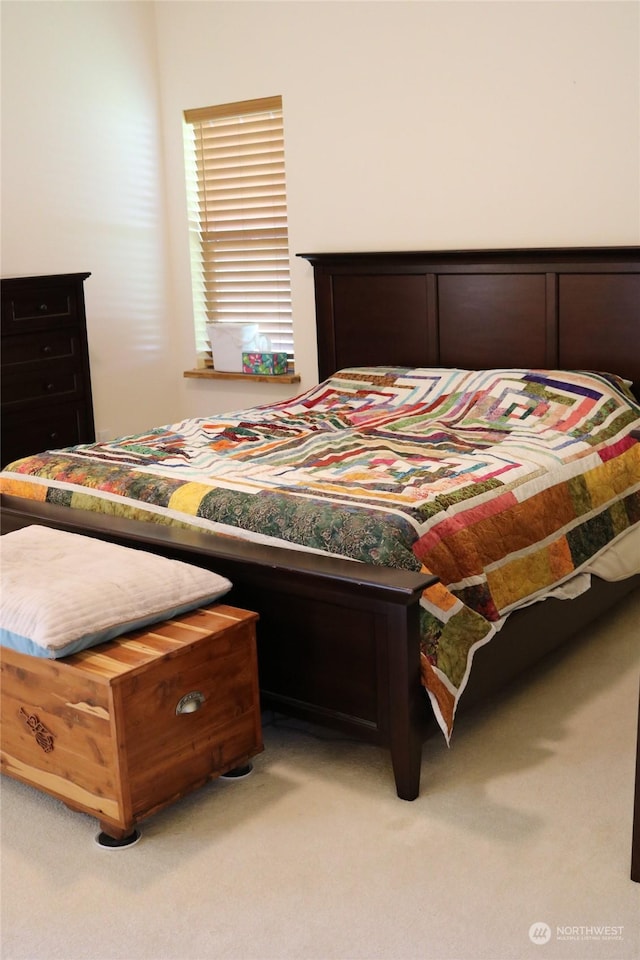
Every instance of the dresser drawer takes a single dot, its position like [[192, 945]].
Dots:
[[41, 346], [51, 380], [38, 306], [33, 430]]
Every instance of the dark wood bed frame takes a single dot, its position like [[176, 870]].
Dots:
[[338, 641]]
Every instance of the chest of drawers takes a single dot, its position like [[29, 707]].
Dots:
[[46, 381]]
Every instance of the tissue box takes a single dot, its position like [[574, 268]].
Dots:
[[228, 341], [271, 364]]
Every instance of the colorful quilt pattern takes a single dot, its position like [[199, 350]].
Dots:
[[503, 483]]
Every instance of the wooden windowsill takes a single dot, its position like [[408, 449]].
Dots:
[[206, 373]]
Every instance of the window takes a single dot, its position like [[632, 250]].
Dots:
[[238, 218]]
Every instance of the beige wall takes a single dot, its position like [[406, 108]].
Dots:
[[407, 125], [82, 188]]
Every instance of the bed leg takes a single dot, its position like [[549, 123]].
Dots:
[[635, 838], [406, 759], [406, 701]]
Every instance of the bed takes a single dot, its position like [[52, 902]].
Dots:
[[386, 638]]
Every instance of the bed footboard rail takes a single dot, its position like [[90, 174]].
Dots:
[[338, 641]]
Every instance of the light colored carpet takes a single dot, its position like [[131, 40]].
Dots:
[[525, 820]]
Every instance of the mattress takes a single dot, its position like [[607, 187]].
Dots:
[[506, 484]]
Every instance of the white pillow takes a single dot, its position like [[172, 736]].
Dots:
[[62, 592]]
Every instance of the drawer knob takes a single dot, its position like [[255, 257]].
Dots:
[[190, 702], [50, 387], [43, 308], [47, 348]]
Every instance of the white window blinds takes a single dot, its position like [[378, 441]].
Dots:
[[238, 218]]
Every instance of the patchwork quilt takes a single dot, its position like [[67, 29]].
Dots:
[[503, 483]]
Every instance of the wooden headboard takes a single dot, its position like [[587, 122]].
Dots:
[[563, 308]]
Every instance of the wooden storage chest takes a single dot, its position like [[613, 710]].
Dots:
[[127, 727]]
